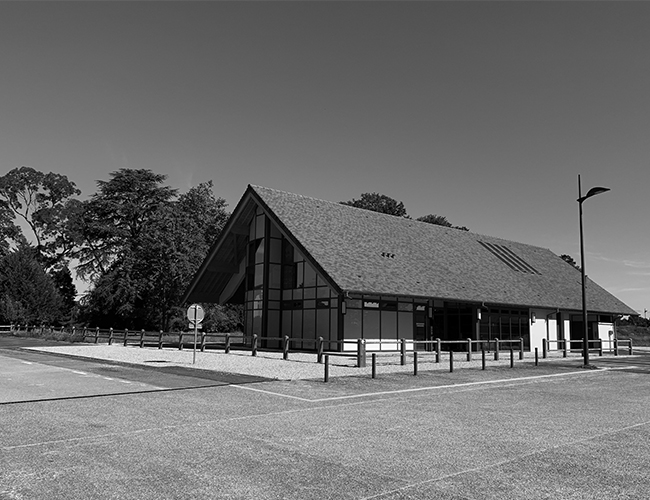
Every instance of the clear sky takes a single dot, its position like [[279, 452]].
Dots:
[[482, 112]]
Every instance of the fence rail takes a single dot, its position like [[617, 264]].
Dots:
[[357, 348]]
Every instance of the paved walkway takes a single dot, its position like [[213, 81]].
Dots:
[[271, 364]]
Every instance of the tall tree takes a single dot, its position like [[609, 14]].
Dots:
[[41, 201], [27, 293], [142, 267], [569, 260], [378, 203]]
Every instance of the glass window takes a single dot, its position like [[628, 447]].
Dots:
[[323, 303], [309, 324], [404, 306], [296, 328], [352, 324], [353, 304], [309, 304], [275, 251], [323, 292], [274, 231], [274, 275], [286, 323], [310, 275], [323, 323], [405, 325], [259, 276], [389, 306], [334, 324], [371, 324], [288, 277], [310, 293], [388, 325], [371, 304], [273, 325], [300, 276], [297, 294], [259, 226], [259, 252]]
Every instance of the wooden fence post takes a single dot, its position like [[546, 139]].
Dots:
[[544, 348], [615, 347], [496, 349], [254, 349], [630, 353], [160, 340], [110, 336], [437, 350], [469, 349], [521, 348], [319, 347], [96, 334], [415, 362], [361, 353], [402, 351], [126, 335], [203, 341], [180, 341], [285, 347], [141, 339], [566, 348], [227, 349]]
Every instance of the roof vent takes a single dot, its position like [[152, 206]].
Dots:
[[509, 258]]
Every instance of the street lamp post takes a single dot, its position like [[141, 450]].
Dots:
[[585, 330]]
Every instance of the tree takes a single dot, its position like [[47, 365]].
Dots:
[[141, 267], [378, 203], [109, 225], [41, 201], [439, 220], [27, 293], [568, 259]]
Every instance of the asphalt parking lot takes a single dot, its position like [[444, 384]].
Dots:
[[552, 431]]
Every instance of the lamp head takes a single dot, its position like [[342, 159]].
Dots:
[[593, 192]]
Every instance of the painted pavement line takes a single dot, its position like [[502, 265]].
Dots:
[[430, 388], [608, 432]]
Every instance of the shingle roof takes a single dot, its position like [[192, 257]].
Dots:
[[364, 251]]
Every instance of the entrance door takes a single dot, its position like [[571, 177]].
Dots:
[[420, 326]]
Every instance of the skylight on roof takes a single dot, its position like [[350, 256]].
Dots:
[[509, 258]]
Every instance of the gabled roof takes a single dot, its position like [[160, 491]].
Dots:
[[363, 251]]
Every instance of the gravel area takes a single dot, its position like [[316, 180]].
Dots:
[[271, 365]]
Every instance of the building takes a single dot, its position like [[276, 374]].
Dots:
[[309, 268]]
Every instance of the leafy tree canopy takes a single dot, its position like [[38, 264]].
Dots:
[[378, 203], [568, 259], [41, 201]]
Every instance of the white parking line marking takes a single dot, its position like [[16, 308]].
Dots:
[[429, 388]]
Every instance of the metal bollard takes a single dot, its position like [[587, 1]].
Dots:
[[254, 346], [374, 365], [451, 361], [327, 367], [415, 363]]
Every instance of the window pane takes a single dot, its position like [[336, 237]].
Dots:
[[323, 323], [273, 325], [323, 292], [259, 226], [275, 232], [300, 277], [405, 325], [275, 251], [310, 275], [309, 324], [286, 323], [296, 329], [352, 324], [371, 324], [259, 252], [274, 275], [259, 276], [334, 326], [388, 325]]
